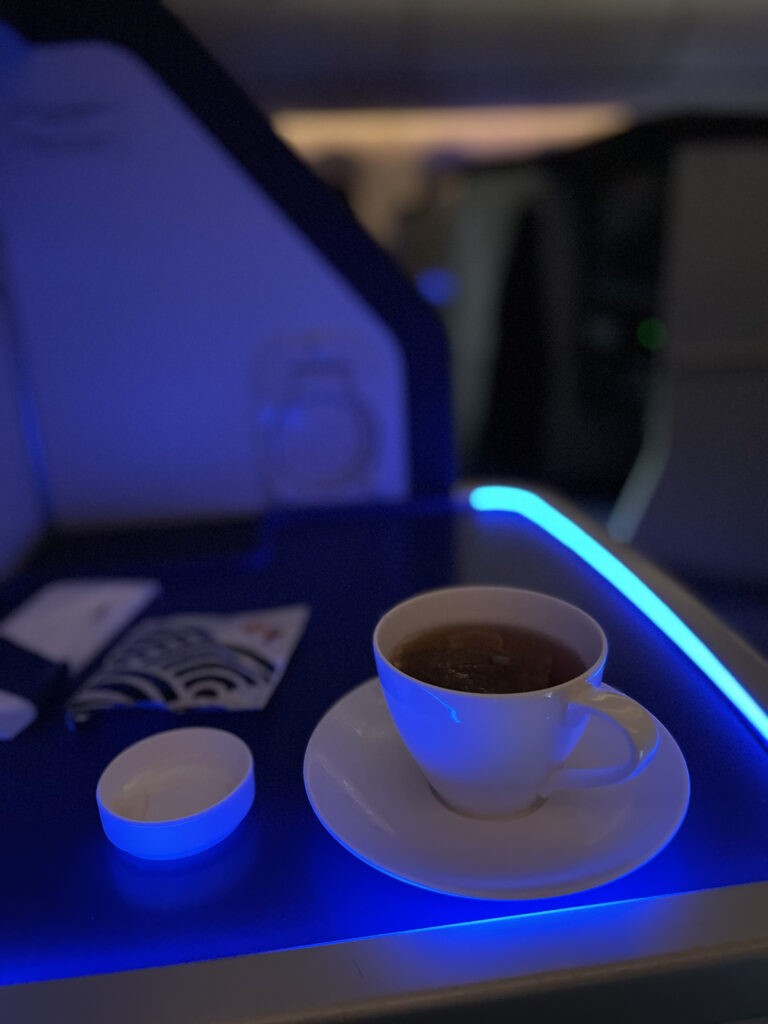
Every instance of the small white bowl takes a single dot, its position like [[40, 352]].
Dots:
[[176, 793]]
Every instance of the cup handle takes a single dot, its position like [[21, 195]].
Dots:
[[639, 728]]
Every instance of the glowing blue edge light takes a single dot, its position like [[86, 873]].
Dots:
[[503, 498]]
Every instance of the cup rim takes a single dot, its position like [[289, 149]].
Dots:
[[589, 673]]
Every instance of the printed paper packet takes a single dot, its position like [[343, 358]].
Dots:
[[182, 662]]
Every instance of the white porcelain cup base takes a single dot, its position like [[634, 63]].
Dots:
[[523, 813]]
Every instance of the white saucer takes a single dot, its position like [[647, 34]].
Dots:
[[371, 796]]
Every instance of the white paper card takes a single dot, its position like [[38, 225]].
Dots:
[[73, 620]]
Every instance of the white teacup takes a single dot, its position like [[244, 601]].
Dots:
[[494, 755]]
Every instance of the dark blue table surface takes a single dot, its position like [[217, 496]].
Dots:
[[71, 904]]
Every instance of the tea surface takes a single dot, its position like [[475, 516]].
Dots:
[[487, 658]]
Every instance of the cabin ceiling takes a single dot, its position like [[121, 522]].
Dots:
[[659, 56]]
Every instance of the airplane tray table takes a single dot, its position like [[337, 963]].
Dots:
[[72, 905]]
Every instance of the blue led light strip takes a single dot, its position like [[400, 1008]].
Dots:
[[534, 508]]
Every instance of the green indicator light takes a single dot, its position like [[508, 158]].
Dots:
[[652, 334]]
